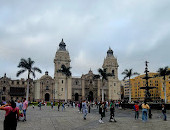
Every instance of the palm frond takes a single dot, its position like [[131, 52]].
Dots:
[[30, 62], [37, 69], [20, 72], [64, 70], [97, 76], [33, 73], [23, 63]]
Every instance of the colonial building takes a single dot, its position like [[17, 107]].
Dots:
[[61, 87]]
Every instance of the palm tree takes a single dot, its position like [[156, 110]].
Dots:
[[162, 72], [27, 65], [128, 74], [104, 76], [66, 71]]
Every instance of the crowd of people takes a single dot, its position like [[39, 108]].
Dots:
[[16, 111]]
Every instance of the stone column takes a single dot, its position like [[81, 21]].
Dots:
[[83, 88], [98, 89]]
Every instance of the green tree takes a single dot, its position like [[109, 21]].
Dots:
[[27, 65], [128, 74], [104, 76], [66, 71], [162, 72]]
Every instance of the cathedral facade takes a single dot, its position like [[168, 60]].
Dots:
[[61, 87]]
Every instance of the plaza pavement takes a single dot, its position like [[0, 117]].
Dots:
[[71, 119]]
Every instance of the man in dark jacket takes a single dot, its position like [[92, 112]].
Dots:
[[112, 110], [164, 111]]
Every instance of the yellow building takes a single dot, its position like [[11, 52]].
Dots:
[[157, 94], [167, 81], [138, 94]]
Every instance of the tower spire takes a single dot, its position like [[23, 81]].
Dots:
[[62, 45]]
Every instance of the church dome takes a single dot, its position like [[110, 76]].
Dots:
[[46, 76], [110, 52]]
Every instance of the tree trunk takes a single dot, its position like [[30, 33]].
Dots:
[[66, 90], [27, 94], [165, 91], [129, 91], [102, 94]]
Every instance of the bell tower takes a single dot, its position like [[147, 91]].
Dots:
[[63, 88], [110, 64], [113, 83], [62, 57]]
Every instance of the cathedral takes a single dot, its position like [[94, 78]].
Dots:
[[60, 87]]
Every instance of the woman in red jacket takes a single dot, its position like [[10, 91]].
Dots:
[[11, 116]]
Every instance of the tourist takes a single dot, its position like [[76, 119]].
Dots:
[[33, 105], [164, 111], [19, 105], [52, 104], [11, 116], [136, 108], [107, 104], [59, 106], [73, 104], [145, 108], [89, 106], [25, 106], [80, 106], [100, 109], [112, 110], [63, 106], [84, 107], [39, 104], [102, 112]]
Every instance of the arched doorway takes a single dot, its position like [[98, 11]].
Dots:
[[90, 97], [76, 97], [47, 97]]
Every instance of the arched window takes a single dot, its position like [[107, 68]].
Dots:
[[47, 88], [113, 72], [4, 89]]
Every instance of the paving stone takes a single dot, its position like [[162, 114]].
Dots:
[[71, 119]]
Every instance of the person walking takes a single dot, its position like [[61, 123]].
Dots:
[[164, 111], [84, 107], [112, 110], [59, 106], [145, 108], [25, 106], [136, 108], [63, 106], [80, 107], [11, 116], [89, 106], [102, 113], [52, 104], [39, 104], [100, 109]]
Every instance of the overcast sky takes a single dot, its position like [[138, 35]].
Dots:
[[136, 30]]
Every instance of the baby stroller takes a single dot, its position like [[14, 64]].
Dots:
[[21, 116]]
